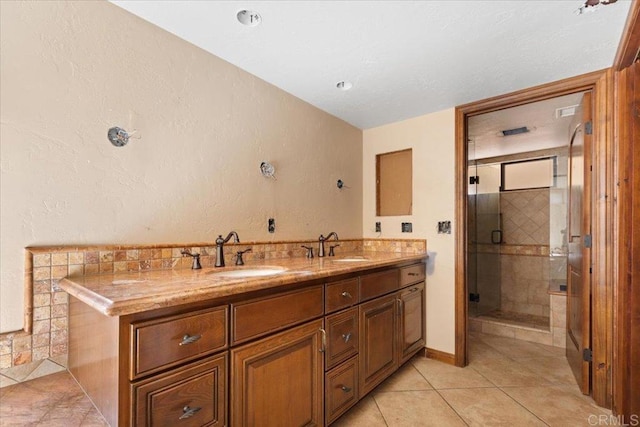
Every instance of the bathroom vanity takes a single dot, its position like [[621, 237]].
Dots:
[[201, 348]]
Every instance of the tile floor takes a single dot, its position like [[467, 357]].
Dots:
[[507, 383]]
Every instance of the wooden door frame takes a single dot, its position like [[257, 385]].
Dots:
[[601, 84]]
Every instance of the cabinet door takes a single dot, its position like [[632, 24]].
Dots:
[[378, 355], [278, 381], [190, 396], [412, 332]]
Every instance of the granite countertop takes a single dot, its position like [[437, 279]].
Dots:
[[118, 294]]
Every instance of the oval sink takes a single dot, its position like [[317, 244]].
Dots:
[[354, 259], [250, 272]]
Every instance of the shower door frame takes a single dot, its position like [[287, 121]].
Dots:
[[600, 83]]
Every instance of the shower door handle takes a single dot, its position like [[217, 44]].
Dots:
[[496, 237]]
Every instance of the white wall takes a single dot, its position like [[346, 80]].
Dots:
[[72, 70], [432, 138]]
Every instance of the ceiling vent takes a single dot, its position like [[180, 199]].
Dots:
[[566, 111], [515, 131]]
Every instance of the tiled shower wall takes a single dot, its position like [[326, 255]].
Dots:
[[47, 304], [525, 274]]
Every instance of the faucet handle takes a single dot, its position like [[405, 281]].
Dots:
[[309, 251], [331, 249], [239, 260], [196, 259]]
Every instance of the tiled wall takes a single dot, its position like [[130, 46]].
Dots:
[[46, 335], [525, 273], [525, 217]]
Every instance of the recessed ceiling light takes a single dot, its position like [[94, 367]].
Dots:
[[344, 85], [249, 18]]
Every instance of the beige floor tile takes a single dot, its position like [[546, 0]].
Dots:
[[478, 350], [509, 373], [6, 381], [405, 379], [516, 348], [492, 407], [47, 367], [416, 408], [555, 370], [441, 375], [558, 405], [364, 414]]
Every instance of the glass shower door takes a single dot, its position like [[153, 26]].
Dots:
[[485, 238]]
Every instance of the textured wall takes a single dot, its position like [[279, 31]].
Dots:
[[71, 70], [432, 138]]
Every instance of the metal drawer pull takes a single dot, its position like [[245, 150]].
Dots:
[[324, 340], [413, 274], [188, 412], [346, 337], [345, 388], [414, 289], [346, 294], [188, 339]]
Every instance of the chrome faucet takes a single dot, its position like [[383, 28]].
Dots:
[[321, 241], [220, 247]]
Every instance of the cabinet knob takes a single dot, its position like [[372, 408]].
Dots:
[[188, 412], [346, 337], [188, 339], [345, 388], [346, 294]]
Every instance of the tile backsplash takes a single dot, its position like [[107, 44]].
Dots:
[[46, 309]]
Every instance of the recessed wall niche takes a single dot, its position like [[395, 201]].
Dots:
[[394, 186]]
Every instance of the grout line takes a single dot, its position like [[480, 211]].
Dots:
[[522, 405], [379, 410], [452, 408]]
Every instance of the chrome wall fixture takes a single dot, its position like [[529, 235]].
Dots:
[[118, 136]]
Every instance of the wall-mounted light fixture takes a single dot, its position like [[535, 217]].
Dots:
[[118, 136]]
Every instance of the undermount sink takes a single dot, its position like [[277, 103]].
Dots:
[[249, 272], [352, 259]]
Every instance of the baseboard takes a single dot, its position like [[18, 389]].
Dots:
[[440, 356]]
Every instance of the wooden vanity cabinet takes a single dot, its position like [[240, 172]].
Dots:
[[294, 356]]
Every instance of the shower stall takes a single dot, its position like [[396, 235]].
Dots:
[[516, 239]]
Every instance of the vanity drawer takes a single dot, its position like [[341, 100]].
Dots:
[[373, 285], [341, 295], [254, 318], [160, 343], [341, 389], [342, 337], [191, 396], [412, 274]]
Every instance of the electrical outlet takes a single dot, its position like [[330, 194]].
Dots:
[[378, 227], [407, 227], [444, 227], [272, 225]]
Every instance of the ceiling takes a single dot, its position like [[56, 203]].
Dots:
[[404, 58], [546, 130]]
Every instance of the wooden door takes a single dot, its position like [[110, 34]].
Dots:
[[579, 243], [412, 334], [279, 381], [378, 354]]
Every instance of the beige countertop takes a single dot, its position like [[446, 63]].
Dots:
[[118, 294]]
